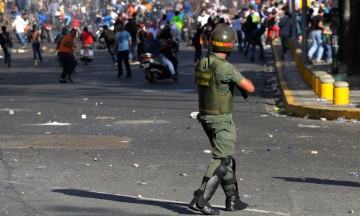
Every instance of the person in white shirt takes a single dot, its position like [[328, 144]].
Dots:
[[20, 24], [203, 18]]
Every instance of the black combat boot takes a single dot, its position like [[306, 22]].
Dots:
[[207, 209], [233, 203]]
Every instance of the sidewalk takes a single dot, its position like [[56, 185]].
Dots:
[[299, 97]]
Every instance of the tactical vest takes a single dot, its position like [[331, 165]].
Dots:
[[211, 101]]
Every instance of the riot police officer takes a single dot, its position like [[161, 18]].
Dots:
[[216, 79]]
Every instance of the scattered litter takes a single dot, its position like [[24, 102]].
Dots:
[[314, 152], [355, 174], [38, 113], [271, 136], [201, 168], [247, 195], [124, 141], [323, 119], [277, 108], [139, 196], [351, 211], [136, 165], [308, 126], [247, 152], [96, 159], [83, 116], [141, 183], [11, 112], [29, 176], [96, 104], [98, 134], [85, 99], [354, 121], [321, 99], [87, 164], [15, 160], [110, 165], [41, 167], [207, 151], [342, 119], [183, 174], [48, 132], [194, 115], [269, 149], [306, 116], [5, 211], [134, 111]]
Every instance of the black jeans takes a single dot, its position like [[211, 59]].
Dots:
[[123, 56], [110, 49], [68, 63], [36, 50]]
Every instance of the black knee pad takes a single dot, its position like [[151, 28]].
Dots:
[[222, 169]]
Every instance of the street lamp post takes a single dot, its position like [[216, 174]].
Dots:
[[304, 27], [335, 42]]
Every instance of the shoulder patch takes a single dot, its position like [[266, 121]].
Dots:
[[234, 71]]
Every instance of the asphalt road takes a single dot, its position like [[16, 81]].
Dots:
[[116, 146]]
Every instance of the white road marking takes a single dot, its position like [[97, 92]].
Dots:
[[169, 90], [142, 122], [50, 124], [178, 202]]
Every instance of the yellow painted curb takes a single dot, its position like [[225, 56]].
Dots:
[[301, 110]]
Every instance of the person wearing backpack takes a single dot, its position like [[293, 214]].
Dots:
[[6, 44], [109, 37]]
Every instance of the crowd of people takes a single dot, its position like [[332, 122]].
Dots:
[[255, 25], [131, 29]]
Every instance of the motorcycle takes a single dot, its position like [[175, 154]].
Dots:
[[86, 53], [155, 69]]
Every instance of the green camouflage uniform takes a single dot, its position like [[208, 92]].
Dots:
[[219, 125]]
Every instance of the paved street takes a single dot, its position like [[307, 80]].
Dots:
[[116, 146]]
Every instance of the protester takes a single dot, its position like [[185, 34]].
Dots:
[[123, 43], [20, 24], [6, 44], [35, 39], [317, 45], [67, 57], [286, 25], [109, 37]]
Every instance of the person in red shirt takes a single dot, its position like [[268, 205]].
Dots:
[[87, 37]]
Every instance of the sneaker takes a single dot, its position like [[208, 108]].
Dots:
[[35, 62], [62, 81]]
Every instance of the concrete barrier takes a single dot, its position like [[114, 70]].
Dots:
[[341, 93], [327, 87], [315, 81]]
